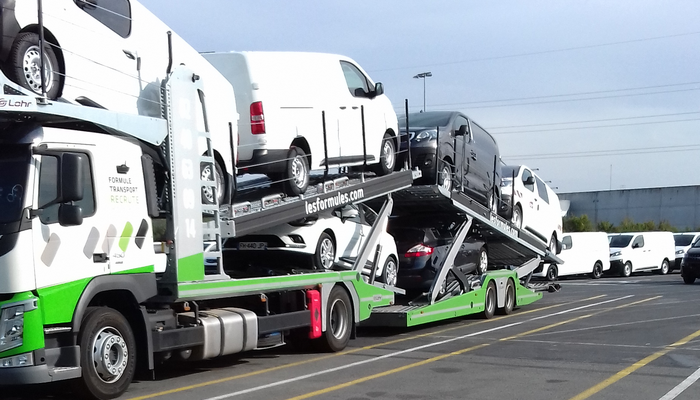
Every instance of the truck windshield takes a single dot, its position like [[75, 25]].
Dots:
[[620, 241], [14, 164]]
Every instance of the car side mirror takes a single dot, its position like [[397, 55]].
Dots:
[[360, 92], [635, 246], [564, 246], [462, 131], [348, 213], [378, 89], [70, 215], [530, 180]]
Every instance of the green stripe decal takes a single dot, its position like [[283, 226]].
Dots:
[[126, 236], [190, 268], [142, 270], [58, 302]]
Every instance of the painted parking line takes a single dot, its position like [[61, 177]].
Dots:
[[632, 368], [673, 393], [390, 342], [410, 350], [458, 352]]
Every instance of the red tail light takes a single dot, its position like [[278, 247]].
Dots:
[[257, 118], [313, 298], [419, 250]]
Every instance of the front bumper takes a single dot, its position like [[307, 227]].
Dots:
[[424, 158]]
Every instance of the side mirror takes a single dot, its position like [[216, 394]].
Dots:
[[530, 180], [378, 89], [635, 245], [70, 215], [348, 213], [564, 246], [359, 92], [72, 177], [462, 131]]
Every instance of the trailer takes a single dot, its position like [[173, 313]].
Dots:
[[105, 231]]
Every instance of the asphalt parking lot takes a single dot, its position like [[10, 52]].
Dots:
[[614, 338]]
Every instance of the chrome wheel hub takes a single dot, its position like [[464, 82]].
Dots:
[[388, 153], [299, 171], [339, 322], [110, 355]]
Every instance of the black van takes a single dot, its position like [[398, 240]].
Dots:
[[478, 174]]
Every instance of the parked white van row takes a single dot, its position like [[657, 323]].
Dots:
[[642, 251], [582, 253]]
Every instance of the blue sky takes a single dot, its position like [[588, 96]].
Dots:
[[630, 69]]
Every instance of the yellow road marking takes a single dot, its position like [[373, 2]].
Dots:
[[423, 362], [639, 364], [390, 342]]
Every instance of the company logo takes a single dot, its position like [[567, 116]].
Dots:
[[339, 199], [14, 103]]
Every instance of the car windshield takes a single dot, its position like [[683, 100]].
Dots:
[[507, 171], [14, 164], [696, 244], [426, 119], [620, 241], [683, 240]]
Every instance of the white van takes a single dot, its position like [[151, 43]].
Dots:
[[282, 98], [683, 242], [582, 253], [112, 54], [531, 204], [642, 251]]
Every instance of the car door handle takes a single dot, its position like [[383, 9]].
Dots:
[[100, 258], [473, 154], [355, 107], [343, 107]]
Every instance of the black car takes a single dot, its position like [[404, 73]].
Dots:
[[422, 245], [690, 266], [477, 174]]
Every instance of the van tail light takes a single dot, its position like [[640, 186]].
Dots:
[[257, 118], [419, 250], [313, 299]]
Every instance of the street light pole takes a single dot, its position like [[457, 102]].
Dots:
[[423, 75]]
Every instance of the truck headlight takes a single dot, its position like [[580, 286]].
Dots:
[[616, 254], [11, 327]]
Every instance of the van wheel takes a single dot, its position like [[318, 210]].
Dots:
[[664, 268], [626, 270], [296, 175], [108, 353], [387, 158], [509, 300], [517, 218], [553, 244], [483, 261], [390, 272], [24, 65], [445, 175], [552, 273], [597, 270], [490, 301], [219, 177]]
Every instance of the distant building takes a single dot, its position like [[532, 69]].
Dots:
[[679, 205]]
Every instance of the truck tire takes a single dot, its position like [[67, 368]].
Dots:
[[108, 353], [296, 174], [338, 321], [489, 301], [509, 304], [23, 66]]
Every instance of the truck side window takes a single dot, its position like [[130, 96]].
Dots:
[[355, 79], [114, 14], [48, 190], [542, 190]]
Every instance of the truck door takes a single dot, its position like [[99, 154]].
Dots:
[[65, 253]]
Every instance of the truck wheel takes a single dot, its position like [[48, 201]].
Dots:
[[296, 174], [338, 320], [24, 65], [108, 353], [387, 158], [664, 268], [597, 270], [552, 273], [626, 270], [509, 300], [390, 272], [489, 301]]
